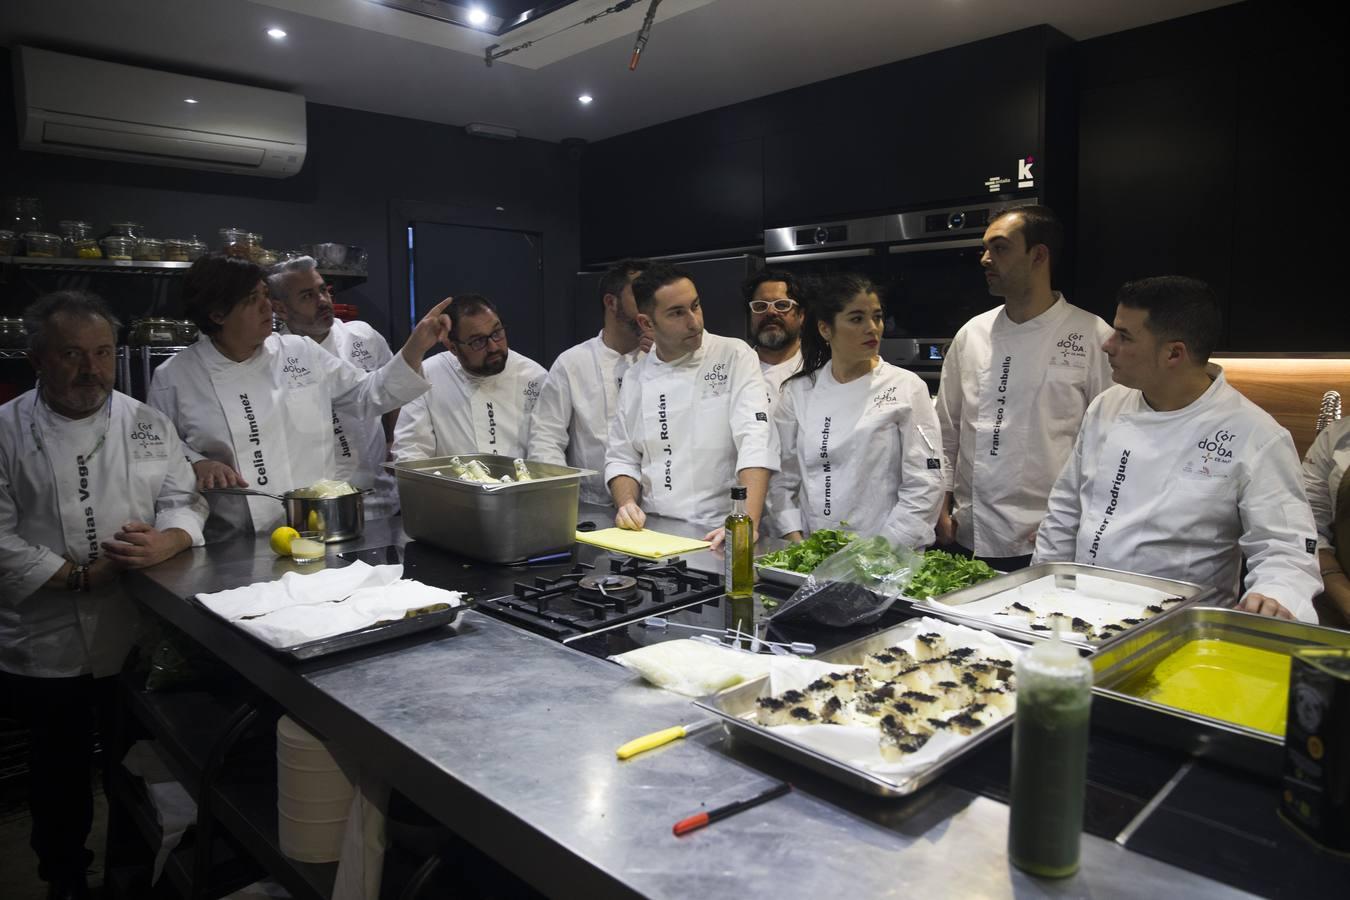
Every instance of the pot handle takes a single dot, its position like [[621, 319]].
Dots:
[[241, 492]]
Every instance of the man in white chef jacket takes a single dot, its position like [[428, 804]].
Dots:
[[1015, 384], [693, 416], [1178, 475], [92, 483], [580, 396], [482, 393], [301, 300], [776, 316]]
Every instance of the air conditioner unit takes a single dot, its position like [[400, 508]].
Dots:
[[85, 107]]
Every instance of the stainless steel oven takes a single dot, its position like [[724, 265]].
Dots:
[[925, 263]]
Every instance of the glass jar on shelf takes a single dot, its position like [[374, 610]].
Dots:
[[42, 244], [236, 242], [118, 247], [74, 231], [176, 250], [149, 249], [132, 230], [7, 240], [196, 248]]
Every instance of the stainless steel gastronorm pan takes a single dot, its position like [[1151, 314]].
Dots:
[[948, 606], [735, 706], [1200, 735], [498, 523]]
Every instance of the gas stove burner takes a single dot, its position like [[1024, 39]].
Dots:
[[609, 585]]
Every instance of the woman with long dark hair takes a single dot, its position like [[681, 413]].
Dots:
[[255, 408], [860, 438]]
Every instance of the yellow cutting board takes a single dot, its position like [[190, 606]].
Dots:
[[645, 543]]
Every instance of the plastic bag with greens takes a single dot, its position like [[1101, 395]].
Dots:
[[855, 584]]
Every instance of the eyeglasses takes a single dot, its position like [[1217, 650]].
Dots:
[[481, 341], [780, 306]]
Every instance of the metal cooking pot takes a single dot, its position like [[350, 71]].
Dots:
[[338, 518]]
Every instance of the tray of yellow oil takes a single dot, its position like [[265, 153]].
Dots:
[[1213, 682], [1244, 685]]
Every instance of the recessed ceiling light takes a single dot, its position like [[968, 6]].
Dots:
[[189, 100], [501, 209], [275, 34], [477, 15], [584, 99]]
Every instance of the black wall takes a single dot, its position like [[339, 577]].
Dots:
[[366, 177], [1206, 149], [922, 131]]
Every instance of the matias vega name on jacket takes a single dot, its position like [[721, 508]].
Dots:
[[1111, 506], [254, 438], [825, 465], [1001, 402], [90, 525]]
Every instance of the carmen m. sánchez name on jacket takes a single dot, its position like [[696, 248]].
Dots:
[[254, 438], [825, 465], [1111, 506], [1002, 404]]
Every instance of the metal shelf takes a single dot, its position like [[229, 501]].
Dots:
[[133, 267]]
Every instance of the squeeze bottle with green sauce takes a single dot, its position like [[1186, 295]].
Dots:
[[1049, 758], [740, 563]]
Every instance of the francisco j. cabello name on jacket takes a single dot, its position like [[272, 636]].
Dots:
[[1112, 504], [825, 465], [254, 438], [90, 525], [663, 421], [1000, 405]]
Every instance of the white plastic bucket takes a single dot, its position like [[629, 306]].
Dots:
[[313, 796]]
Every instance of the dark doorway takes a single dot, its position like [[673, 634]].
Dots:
[[505, 266]]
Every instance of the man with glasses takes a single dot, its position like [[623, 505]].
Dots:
[[775, 325], [571, 421], [482, 394], [304, 304]]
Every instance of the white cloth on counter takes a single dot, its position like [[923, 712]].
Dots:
[[686, 427], [466, 413], [867, 453], [571, 420], [1010, 401], [297, 607], [1324, 469], [697, 668], [1186, 494]]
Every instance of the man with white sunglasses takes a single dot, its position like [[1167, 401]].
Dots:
[[775, 325]]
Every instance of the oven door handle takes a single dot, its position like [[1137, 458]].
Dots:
[[955, 244], [824, 254]]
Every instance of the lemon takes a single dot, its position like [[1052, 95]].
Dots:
[[281, 540]]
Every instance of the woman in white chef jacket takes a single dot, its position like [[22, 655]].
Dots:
[[1326, 476], [860, 439], [255, 409]]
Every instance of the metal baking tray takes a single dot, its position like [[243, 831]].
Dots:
[[948, 606], [371, 634], [496, 523], [735, 706], [1199, 735], [775, 575]]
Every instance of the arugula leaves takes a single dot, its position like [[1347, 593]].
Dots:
[[943, 572], [805, 556]]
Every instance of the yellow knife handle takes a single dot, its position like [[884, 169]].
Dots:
[[650, 741]]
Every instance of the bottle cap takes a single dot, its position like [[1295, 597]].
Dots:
[[738, 493]]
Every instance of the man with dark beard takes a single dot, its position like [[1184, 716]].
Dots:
[[775, 325], [482, 393], [580, 396]]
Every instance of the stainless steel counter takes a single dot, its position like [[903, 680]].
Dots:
[[508, 738]]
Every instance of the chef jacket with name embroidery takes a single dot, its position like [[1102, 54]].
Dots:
[[1010, 401], [1186, 494], [1324, 473], [66, 486], [270, 417], [359, 444], [466, 413], [686, 427], [867, 453], [570, 425]]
